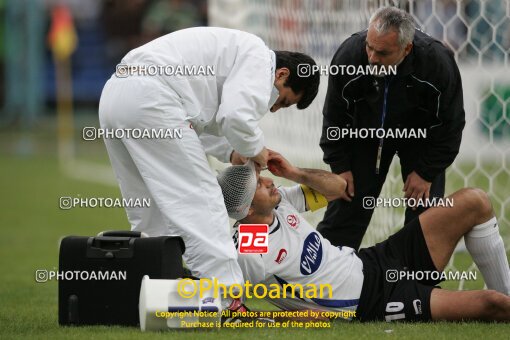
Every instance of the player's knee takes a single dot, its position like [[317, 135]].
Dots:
[[476, 201], [483, 202]]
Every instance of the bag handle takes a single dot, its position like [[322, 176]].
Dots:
[[123, 233]]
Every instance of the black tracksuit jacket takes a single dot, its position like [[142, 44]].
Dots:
[[425, 93]]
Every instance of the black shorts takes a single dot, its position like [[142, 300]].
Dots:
[[386, 298]]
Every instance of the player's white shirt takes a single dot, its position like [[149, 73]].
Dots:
[[297, 253], [228, 103]]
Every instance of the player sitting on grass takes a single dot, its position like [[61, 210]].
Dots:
[[298, 254]]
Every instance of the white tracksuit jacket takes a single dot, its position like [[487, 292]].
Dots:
[[223, 108], [231, 102]]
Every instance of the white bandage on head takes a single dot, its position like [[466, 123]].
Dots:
[[238, 184]]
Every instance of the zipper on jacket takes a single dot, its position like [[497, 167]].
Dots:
[[383, 117]]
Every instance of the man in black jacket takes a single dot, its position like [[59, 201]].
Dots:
[[425, 94]]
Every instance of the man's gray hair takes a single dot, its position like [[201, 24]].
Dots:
[[387, 19]]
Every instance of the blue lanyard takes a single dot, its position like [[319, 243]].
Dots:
[[387, 81]]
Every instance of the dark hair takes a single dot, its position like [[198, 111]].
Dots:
[[308, 83]]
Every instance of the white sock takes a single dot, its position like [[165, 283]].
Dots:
[[485, 245]]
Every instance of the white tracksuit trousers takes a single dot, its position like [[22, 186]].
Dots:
[[174, 174]]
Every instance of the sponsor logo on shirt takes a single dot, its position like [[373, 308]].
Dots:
[[281, 256], [311, 256], [253, 238], [293, 221]]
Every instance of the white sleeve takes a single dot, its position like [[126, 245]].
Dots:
[[218, 147], [244, 100], [294, 195]]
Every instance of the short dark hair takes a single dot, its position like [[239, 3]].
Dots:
[[307, 84]]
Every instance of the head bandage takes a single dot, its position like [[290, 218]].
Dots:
[[238, 184]]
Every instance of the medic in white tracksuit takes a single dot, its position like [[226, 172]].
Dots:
[[218, 113]]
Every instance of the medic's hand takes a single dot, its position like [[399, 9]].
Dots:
[[237, 159], [261, 159]]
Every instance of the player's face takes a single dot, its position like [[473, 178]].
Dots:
[[286, 97], [384, 49], [266, 196]]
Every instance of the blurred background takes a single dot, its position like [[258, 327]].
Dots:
[[56, 55]]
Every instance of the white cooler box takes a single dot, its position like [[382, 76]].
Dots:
[[160, 299]]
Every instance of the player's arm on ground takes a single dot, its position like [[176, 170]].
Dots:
[[330, 185]]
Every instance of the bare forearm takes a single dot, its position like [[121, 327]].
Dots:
[[328, 184]]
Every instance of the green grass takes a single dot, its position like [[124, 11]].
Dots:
[[32, 225]]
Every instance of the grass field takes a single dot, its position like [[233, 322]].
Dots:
[[32, 225]]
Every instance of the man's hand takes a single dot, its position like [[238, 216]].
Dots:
[[281, 167], [416, 187], [328, 184], [261, 159], [349, 190], [237, 159]]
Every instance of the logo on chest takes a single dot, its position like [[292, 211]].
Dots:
[[282, 254], [311, 256], [293, 221]]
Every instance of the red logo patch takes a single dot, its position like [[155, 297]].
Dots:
[[253, 238], [293, 221], [281, 256]]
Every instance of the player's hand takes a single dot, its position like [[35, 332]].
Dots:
[[281, 167], [349, 190], [237, 159], [416, 187], [260, 159]]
